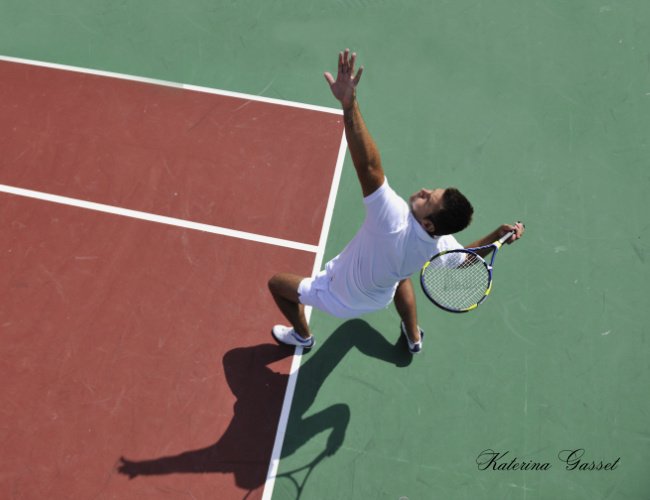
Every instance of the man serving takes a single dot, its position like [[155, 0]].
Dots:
[[395, 240]]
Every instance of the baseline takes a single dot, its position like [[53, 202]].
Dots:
[[166, 83]]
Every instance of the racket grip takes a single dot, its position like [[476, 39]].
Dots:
[[506, 237]]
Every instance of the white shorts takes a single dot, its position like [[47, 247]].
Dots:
[[315, 292]]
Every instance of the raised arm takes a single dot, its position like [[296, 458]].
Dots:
[[363, 149]]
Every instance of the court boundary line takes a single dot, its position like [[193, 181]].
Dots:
[[154, 217], [166, 83], [274, 463], [161, 219], [319, 250]]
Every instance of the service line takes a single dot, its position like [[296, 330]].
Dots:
[[161, 219]]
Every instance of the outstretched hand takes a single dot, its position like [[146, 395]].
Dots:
[[344, 87]]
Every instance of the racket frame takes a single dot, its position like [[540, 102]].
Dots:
[[494, 246]]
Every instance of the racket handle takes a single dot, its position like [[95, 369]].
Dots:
[[507, 236]]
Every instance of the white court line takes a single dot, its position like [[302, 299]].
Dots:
[[159, 218], [170, 221], [318, 250], [184, 86], [295, 364]]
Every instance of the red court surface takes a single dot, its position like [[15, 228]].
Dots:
[[224, 161], [126, 338]]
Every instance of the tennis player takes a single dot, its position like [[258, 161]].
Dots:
[[395, 240]]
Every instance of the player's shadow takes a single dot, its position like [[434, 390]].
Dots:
[[260, 392]]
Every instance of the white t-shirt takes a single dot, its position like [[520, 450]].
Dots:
[[390, 246]]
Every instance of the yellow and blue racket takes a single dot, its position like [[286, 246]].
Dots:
[[460, 280]]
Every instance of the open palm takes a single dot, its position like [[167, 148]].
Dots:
[[344, 87]]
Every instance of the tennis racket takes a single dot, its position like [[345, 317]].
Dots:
[[460, 280]]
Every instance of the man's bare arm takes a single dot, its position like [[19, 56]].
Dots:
[[363, 149], [502, 230]]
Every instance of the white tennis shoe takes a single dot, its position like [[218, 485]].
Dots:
[[288, 336], [414, 347]]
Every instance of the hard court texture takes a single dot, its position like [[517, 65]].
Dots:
[[537, 110], [137, 356]]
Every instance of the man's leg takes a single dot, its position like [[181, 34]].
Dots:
[[407, 309], [284, 288]]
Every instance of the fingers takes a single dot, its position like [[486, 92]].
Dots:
[[346, 64], [358, 76], [347, 61], [344, 61], [518, 228]]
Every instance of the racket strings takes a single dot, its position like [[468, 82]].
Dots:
[[456, 286]]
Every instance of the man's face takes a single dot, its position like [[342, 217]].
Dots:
[[424, 203]]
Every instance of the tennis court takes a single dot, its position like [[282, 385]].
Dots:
[[160, 161]]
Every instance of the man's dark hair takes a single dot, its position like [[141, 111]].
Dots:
[[455, 214]]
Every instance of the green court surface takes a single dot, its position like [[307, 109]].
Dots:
[[538, 111]]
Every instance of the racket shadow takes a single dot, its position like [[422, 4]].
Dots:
[[260, 391], [302, 426]]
